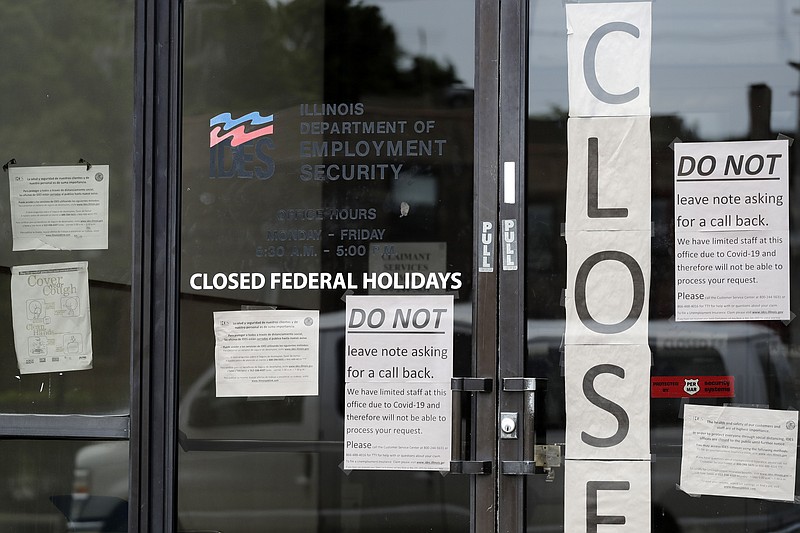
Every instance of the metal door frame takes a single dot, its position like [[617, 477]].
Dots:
[[484, 428], [152, 505], [498, 500], [511, 303]]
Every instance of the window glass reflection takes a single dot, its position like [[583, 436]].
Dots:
[[62, 486], [68, 96], [356, 159]]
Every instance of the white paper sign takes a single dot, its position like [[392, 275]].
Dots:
[[606, 386], [732, 231], [398, 367], [608, 174], [266, 353], [608, 299], [608, 267], [50, 310], [606, 496], [740, 452], [59, 208], [608, 48]]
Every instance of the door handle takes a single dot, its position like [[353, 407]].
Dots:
[[459, 386]]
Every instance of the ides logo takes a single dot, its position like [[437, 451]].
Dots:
[[240, 146]]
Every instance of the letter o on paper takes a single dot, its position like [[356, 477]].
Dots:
[[637, 305], [590, 58]]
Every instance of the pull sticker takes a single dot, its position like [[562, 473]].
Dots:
[[486, 261], [510, 255]]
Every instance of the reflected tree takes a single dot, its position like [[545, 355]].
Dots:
[[297, 51], [66, 83]]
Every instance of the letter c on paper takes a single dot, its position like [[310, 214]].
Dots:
[[590, 68]]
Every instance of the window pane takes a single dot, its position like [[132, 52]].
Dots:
[[364, 166], [60, 486], [68, 96]]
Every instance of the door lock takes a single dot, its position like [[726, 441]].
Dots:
[[536, 459], [508, 425]]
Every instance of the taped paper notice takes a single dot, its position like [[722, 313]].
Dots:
[[266, 353], [59, 208], [609, 59], [50, 309], [608, 267], [613, 493], [608, 174], [739, 452], [732, 231], [607, 303], [398, 367], [606, 386]]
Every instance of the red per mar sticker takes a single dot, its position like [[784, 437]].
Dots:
[[691, 387]]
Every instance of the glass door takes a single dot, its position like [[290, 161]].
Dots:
[[658, 309], [537, 175], [326, 184]]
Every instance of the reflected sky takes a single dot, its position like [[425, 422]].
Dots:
[[705, 55]]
